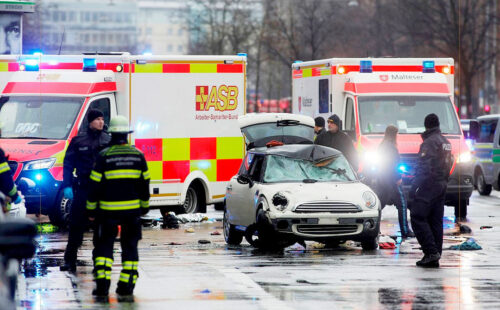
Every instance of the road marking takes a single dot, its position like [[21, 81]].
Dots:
[[245, 284]]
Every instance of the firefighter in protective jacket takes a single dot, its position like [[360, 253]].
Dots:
[[119, 195], [7, 185]]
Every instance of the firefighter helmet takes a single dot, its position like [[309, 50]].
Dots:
[[119, 124]]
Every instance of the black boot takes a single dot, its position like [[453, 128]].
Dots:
[[68, 266], [429, 260], [102, 288], [124, 289]]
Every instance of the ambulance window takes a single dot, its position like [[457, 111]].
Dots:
[[102, 105], [350, 123], [487, 131], [323, 96]]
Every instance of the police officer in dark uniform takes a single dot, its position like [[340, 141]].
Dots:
[[337, 139], [80, 156], [319, 126], [428, 191], [119, 195]]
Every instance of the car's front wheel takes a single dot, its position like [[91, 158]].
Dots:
[[370, 244], [231, 234], [483, 188], [59, 214]]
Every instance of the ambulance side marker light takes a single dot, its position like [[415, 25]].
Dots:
[[365, 66], [428, 66], [446, 70], [119, 68], [89, 65], [341, 70]]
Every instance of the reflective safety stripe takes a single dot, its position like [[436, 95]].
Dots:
[[146, 175], [144, 204], [109, 262], [134, 279], [100, 274], [130, 265], [108, 274], [4, 167], [124, 277], [123, 174], [12, 191], [100, 261], [119, 205], [91, 205], [95, 176]]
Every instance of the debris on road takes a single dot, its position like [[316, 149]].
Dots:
[[189, 230], [173, 243], [191, 217], [296, 247], [485, 227], [318, 245], [469, 245], [464, 229], [170, 221], [215, 233], [203, 241], [386, 243]]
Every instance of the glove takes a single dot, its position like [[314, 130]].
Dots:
[[68, 193], [18, 200]]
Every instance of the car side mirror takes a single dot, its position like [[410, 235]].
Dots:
[[244, 179], [473, 130]]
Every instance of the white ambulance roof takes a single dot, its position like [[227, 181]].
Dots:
[[375, 61], [258, 118], [63, 76]]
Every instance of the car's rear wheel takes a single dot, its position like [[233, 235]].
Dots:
[[231, 234], [483, 188], [370, 244]]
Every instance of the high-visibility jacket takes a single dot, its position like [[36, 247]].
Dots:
[[119, 183], [7, 185]]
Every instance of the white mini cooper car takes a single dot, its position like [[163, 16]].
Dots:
[[285, 193]]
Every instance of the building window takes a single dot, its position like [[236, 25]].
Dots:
[[62, 16], [95, 17], [179, 48], [55, 16], [180, 31], [170, 47]]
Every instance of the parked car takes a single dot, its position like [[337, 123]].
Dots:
[[486, 154], [284, 193]]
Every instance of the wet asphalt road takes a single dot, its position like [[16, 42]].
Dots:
[[177, 272]]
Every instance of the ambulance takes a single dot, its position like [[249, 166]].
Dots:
[[369, 94], [183, 110]]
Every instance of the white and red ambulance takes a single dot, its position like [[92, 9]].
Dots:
[[371, 93], [183, 110]]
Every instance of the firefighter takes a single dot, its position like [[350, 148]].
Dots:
[[80, 156], [428, 191], [7, 186], [319, 126], [337, 139], [119, 195], [389, 189]]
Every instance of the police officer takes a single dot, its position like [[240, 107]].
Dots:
[[80, 156], [428, 191], [319, 126], [337, 139], [7, 186], [119, 195], [389, 179]]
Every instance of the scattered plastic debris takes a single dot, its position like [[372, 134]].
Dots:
[[386, 243], [173, 243], [189, 230], [469, 245], [318, 245], [203, 241], [296, 247], [153, 244], [170, 221], [191, 217], [485, 227], [215, 233]]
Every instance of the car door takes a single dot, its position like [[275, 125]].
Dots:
[[484, 146]]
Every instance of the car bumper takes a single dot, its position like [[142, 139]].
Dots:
[[350, 226]]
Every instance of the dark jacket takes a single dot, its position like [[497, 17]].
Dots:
[[81, 155], [7, 185], [434, 160], [322, 130], [341, 142], [119, 183], [389, 172]]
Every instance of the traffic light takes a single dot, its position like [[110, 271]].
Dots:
[[487, 109]]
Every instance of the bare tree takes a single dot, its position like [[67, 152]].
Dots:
[[455, 28]]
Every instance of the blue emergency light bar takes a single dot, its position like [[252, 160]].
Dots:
[[403, 168], [428, 66], [242, 54], [31, 65], [89, 65], [365, 66]]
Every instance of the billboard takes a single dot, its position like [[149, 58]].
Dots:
[[10, 33]]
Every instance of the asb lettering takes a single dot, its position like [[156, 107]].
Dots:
[[217, 98]]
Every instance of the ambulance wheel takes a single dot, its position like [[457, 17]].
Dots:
[[483, 188], [59, 215], [195, 199], [231, 234]]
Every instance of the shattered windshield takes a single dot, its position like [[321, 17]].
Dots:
[[285, 169], [38, 117]]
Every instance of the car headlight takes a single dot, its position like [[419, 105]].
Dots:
[[464, 157], [280, 201], [370, 199], [40, 164], [371, 157]]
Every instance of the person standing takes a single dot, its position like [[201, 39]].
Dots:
[[7, 186], [428, 191], [319, 126], [389, 189], [80, 156], [119, 195], [337, 139]]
